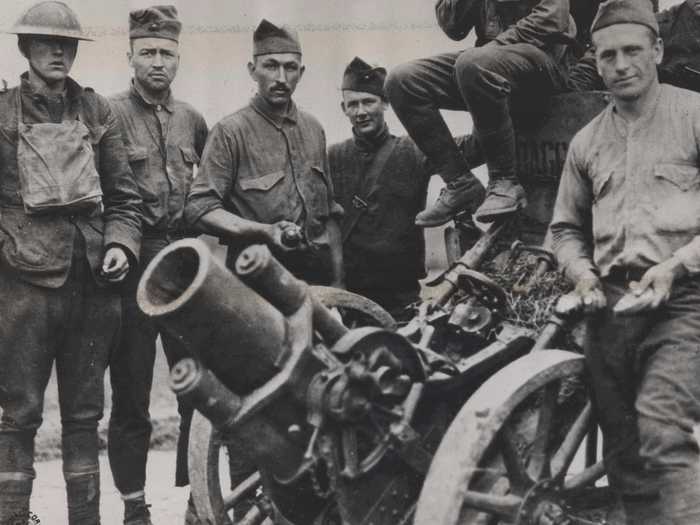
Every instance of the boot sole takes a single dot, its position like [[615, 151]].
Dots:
[[494, 215], [434, 223]]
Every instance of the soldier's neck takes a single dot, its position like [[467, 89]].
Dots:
[[40, 85], [154, 98], [632, 110]]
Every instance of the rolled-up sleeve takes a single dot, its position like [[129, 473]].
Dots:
[[217, 173], [571, 226], [546, 18], [457, 17], [122, 200]]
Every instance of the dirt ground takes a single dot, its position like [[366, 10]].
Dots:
[[167, 502]]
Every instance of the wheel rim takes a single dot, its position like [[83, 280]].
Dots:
[[356, 310], [204, 463], [506, 457]]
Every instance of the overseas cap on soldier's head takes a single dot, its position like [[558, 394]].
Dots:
[[158, 21], [269, 38], [360, 76], [625, 12], [49, 19]]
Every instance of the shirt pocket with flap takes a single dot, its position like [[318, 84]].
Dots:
[[684, 176], [271, 197], [189, 155], [138, 161], [675, 198]]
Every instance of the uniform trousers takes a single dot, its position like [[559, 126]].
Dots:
[[487, 82], [131, 375], [75, 327], [645, 372]]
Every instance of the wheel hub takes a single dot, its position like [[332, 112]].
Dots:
[[543, 506]]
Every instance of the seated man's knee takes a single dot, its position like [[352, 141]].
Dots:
[[477, 67], [401, 80]]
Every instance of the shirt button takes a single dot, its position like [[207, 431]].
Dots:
[[159, 107]]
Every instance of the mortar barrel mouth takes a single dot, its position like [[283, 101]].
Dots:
[[173, 277]]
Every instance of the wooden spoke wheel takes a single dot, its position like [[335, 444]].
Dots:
[[355, 310], [209, 474], [509, 455]]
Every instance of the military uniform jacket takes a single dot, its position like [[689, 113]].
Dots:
[[164, 144], [267, 168], [39, 248], [540, 23], [385, 249]]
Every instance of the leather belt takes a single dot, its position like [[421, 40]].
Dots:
[[624, 274]]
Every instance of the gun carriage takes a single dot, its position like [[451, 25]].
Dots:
[[458, 417]]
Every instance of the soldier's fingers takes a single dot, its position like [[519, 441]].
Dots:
[[638, 288]]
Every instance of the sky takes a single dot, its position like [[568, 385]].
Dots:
[[339, 14]]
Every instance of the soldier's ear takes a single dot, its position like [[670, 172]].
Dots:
[[251, 69], [659, 49], [342, 106]]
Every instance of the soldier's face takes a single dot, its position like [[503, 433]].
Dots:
[[277, 76], [155, 62], [694, 5], [627, 56], [365, 111], [51, 58]]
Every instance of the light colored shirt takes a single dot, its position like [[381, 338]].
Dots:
[[629, 196]]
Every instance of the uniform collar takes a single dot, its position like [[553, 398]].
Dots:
[[72, 92], [374, 143], [263, 107], [143, 99]]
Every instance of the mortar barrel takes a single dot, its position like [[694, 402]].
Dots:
[[233, 331], [270, 447]]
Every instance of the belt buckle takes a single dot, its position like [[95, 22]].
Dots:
[[358, 203]]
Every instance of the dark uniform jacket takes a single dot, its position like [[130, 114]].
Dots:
[[164, 144], [267, 168], [680, 30], [537, 22], [385, 250], [39, 248]]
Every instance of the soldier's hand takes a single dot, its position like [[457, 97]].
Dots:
[[590, 291], [115, 265], [659, 279], [280, 234]]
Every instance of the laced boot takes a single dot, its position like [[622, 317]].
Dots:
[[503, 197], [464, 192], [136, 512]]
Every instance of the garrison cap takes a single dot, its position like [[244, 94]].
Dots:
[[269, 38], [360, 76], [614, 12], [158, 21]]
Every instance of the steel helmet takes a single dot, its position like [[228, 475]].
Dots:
[[49, 19]]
